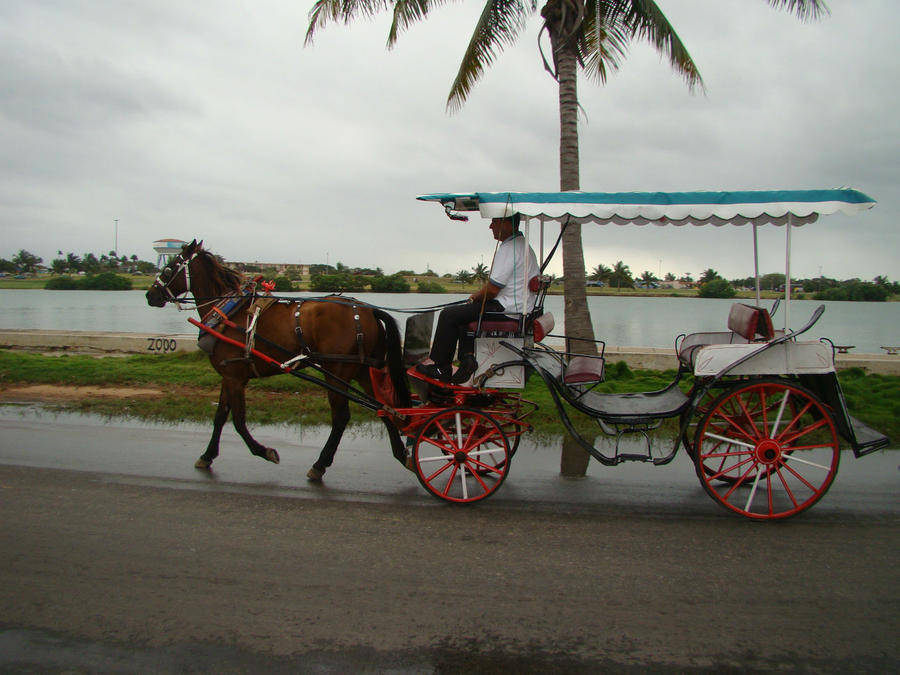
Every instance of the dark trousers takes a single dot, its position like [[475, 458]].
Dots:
[[452, 328]]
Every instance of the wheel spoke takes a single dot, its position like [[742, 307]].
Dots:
[[730, 441], [794, 458], [781, 407], [753, 490]]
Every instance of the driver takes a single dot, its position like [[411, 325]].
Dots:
[[505, 292]]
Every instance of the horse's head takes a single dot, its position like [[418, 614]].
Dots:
[[174, 280]]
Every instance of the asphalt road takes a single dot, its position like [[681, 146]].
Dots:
[[117, 556]]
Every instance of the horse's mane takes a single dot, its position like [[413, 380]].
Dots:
[[222, 277]]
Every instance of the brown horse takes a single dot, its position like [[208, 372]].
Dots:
[[341, 335]]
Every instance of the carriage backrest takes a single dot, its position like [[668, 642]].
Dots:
[[751, 323]]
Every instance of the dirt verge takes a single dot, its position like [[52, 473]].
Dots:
[[56, 392]]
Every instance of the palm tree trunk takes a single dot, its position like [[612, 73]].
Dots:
[[578, 317], [573, 459]]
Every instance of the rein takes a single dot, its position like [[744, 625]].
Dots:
[[329, 298]]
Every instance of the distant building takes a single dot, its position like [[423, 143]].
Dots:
[[281, 269], [166, 249]]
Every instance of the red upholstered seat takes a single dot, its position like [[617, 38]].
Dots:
[[538, 323], [582, 369], [504, 325], [751, 323]]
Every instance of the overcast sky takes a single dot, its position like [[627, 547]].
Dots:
[[211, 120]]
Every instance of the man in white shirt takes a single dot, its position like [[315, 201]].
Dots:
[[505, 292]]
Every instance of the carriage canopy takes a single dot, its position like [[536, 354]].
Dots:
[[758, 207]]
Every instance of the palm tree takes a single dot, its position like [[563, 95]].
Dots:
[[601, 273], [708, 275], [648, 278], [621, 276], [592, 34], [480, 273]]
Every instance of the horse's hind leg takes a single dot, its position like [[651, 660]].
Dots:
[[238, 404], [212, 449], [340, 415]]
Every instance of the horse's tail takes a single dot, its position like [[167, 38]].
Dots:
[[395, 357]]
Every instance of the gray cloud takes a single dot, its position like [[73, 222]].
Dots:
[[219, 124]]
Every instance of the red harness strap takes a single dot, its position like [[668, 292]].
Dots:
[[238, 343]]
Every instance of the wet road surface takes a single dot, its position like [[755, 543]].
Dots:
[[118, 556]]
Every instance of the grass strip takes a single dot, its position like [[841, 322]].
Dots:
[[189, 390]]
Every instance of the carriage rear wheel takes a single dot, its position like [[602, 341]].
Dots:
[[461, 455], [767, 449], [713, 465]]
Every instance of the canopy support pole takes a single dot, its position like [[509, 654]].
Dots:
[[787, 273], [756, 265]]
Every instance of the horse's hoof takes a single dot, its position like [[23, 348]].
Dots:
[[272, 456], [315, 475], [202, 463]]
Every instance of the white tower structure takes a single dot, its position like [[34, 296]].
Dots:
[[166, 249]]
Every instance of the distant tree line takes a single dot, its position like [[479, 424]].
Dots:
[[25, 262], [339, 278], [712, 285]]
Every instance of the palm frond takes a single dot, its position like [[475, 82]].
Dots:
[[804, 9], [499, 25], [408, 12], [324, 11], [603, 43], [648, 22]]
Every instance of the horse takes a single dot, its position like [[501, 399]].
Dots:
[[342, 336]]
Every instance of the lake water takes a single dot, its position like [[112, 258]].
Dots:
[[625, 321]]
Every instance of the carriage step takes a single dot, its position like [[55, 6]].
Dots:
[[633, 457]]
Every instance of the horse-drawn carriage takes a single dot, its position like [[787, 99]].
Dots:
[[759, 410]]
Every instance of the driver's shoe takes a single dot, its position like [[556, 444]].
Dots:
[[434, 371], [467, 367]]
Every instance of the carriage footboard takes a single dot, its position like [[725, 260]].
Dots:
[[867, 440], [618, 415], [634, 407]]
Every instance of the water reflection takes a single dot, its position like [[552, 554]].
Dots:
[[621, 321]]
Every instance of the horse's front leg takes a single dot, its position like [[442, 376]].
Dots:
[[212, 449], [340, 415], [238, 403]]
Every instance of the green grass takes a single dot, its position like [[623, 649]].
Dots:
[[189, 390]]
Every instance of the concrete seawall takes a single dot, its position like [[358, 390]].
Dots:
[[111, 343]]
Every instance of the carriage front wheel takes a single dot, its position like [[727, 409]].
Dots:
[[767, 449], [461, 455]]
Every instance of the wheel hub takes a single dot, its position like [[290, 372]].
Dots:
[[768, 451], [460, 457]]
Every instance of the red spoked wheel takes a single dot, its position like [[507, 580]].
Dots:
[[766, 450], [716, 465], [461, 455]]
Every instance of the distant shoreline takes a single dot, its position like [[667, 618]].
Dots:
[[143, 282]]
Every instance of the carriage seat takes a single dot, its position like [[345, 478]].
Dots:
[[538, 323], [752, 323], [495, 324], [746, 323], [584, 370]]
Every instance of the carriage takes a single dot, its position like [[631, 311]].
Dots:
[[759, 410]]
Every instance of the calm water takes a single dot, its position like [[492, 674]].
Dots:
[[633, 322]]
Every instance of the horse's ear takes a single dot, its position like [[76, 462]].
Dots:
[[199, 245]]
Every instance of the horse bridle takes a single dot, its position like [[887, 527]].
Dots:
[[170, 272]]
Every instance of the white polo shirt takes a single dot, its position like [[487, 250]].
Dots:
[[514, 264]]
